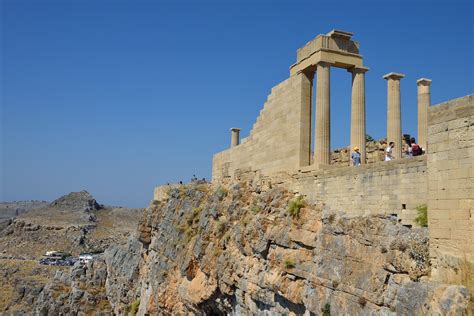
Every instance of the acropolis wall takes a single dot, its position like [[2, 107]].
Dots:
[[451, 189], [280, 137], [278, 149]]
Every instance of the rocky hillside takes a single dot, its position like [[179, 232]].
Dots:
[[74, 223], [238, 250]]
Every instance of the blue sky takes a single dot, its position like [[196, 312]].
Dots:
[[116, 97]]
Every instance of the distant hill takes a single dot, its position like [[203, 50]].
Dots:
[[73, 223], [11, 209]]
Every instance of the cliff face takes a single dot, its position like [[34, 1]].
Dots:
[[213, 250], [208, 250]]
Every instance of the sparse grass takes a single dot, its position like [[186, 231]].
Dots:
[[202, 187], [196, 212], [226, 237], [134, 307], [326, 310], [289, 263], [244, 221], [22, 272], [190, 233], [422, 218], [466, 273], [221, 226], [362, 301], [221, 192], [255, 209], [190, 220], [295, 206], [217, 252]]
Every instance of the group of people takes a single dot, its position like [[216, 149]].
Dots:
[[410, 149]]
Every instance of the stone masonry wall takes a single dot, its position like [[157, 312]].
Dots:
[[280, 138], [394, 187], [451, 189]]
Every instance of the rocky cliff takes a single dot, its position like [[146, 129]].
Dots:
[[240, 250]]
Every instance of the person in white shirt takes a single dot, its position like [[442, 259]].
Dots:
[[388, 151]]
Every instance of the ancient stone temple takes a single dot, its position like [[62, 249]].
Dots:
[[278, 150], [281, 137]]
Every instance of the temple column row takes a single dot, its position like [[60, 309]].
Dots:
[[322, 136], [358, 111], [394, 125], [424, 104]]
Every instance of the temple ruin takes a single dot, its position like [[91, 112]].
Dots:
[[281, 138], [278, 151]]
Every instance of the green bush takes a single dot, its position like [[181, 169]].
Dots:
[[134, 307], [289, 263], [295, 206], [422, 218], [326, 310], [196, 212]]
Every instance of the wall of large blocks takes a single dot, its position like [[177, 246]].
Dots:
[[395, 187], [279, 139], [451, 188]]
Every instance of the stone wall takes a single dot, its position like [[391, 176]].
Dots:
[[375, 152], [280, 138], [395, 187], [451, 189]]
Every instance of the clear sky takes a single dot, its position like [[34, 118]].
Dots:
[[117, 97]]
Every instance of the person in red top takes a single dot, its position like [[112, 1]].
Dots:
[[416, 149]]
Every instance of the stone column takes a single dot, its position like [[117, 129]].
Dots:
[[322, 137], [358, 111], [234, 136], [394, 123], [424, 104]]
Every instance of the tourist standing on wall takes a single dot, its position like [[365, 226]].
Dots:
[[355, 157], [388, 151], [407, 148]]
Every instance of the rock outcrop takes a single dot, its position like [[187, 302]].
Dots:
[[213, 251], [74, 223], [79, 291], [77, 201], [218, 251]]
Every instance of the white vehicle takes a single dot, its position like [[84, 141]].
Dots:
[[85, 258]]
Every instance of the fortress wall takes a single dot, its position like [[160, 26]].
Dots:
[[451, 188], [280, 138], [378, 188]]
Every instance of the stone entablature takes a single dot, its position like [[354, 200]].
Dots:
[[335, 48]]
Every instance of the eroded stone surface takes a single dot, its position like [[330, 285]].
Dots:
[[241, 252]]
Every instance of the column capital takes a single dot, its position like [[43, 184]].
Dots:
[[358, 69], [423, 81], [236, 129], [393, 76], [323, 64]]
